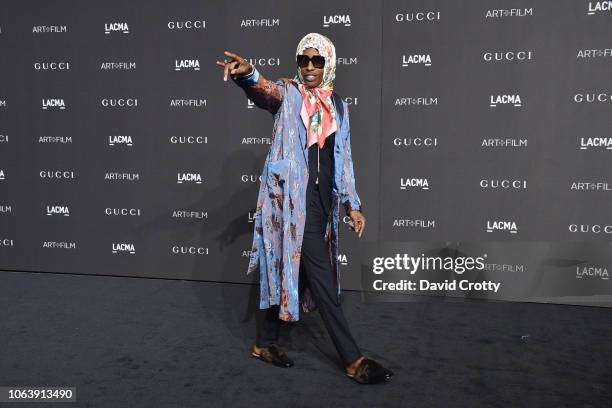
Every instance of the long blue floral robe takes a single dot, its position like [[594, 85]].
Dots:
[[281, 204]]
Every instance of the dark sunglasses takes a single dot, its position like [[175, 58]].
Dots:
[[318, 61]]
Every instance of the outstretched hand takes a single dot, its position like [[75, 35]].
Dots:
[[234, 65], [358, 222]]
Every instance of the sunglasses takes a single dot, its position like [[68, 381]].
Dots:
[[318, 61]]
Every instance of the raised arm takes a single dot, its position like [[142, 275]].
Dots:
[[264, 93]]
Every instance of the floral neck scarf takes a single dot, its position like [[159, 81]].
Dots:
[[317, 110]]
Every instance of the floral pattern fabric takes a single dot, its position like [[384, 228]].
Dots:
[[281, 203]]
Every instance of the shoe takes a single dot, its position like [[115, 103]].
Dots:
[[274, 355], [370, 371]]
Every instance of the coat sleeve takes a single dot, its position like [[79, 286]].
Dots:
[[264, 93], [350, 198]]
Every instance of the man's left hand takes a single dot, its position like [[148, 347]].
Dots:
[[359, 222]]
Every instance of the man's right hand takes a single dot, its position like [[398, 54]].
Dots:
[[235, 65]]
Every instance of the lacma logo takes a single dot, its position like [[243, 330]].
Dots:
[[193, 64], [586, 272], [344, 19], [58, 210], [189, 178], [116, 28], [120, 140], [125, 248], [508, 226], [596, 142], [53, 103], [421, 183], [505, 99], [598, 7], [424, 59]]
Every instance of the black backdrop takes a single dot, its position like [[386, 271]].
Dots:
[[123, 152]]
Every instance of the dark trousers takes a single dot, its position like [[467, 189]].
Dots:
[[316, 267]]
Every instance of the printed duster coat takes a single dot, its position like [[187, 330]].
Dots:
[[281, 204]]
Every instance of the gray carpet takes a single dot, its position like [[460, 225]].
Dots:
[[135, 342]]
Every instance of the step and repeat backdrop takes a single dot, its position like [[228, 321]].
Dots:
[[477, 127]]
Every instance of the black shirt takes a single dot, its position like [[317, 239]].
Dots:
[[325, 172]]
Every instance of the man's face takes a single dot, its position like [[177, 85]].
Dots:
[[312, 76]]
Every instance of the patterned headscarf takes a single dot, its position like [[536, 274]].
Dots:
[[317, 110]]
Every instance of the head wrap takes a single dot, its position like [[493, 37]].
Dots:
[[317, 110]]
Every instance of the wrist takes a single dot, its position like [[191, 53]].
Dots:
[[249, 78]]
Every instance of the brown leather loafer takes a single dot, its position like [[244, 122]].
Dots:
[[370, 371], [274, 355]]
